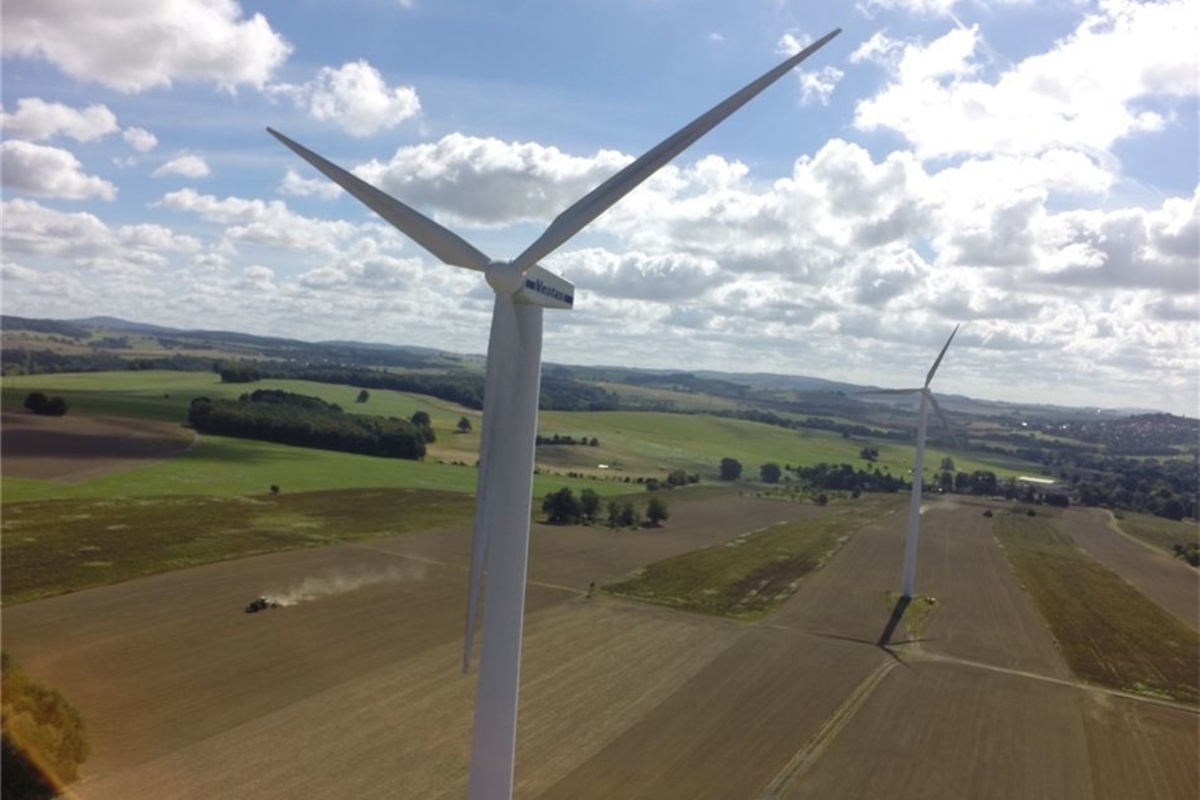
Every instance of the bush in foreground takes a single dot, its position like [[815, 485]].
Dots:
[[43, 737]]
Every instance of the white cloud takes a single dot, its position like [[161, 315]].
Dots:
[[293, 184], [931, 8], [818, 86], [49, 172], [35, 119], [189, 166], [1082, 94], [675, 277], [135, 46], [10, 271], [355, 97], [83, 240], [140, 139], [488, 181], [269, 224]]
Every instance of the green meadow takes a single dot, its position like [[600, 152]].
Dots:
[[632, 444]]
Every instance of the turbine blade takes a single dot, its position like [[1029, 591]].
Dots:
[[945, 421], [600, 199], [941, 355], [503, 344], [446, 245]]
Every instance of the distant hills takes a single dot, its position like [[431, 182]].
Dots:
[[725, 384]]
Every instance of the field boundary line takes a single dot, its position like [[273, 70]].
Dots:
[[807, 755], [925, 655]]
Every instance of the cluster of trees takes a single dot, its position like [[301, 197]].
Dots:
[[238, 373], [22, 361], [39, 403], [564, 508], [675, 478], [582, 441], [1189, 552], [304, 421], [465, 388], [38, 723], [1164, 488], [845, 478]]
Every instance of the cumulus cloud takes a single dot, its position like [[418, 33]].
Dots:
[[672, 277], [82, 239], [49, 172], [488, 181], [140, 139], [269, 224], [1083, 94], [293, 184], [355, 97], [35, 119], [189, 166], [132, 47]]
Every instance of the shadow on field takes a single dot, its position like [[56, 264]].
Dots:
[[901, 606]]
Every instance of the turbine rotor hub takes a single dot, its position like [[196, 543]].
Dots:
[[504, 277]]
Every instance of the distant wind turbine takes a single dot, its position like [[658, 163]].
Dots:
[[914, 508], [503, 497]]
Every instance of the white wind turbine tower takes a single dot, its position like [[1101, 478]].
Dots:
[[504, 493], [914, 508]]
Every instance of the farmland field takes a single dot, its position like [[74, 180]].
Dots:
[[1109, 632], [1170, 582], [356, 692], [353, 687]]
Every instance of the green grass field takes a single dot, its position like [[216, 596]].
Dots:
[[67, 545], [223, 466], [749, 576], [1109, 632], [1159, 532]]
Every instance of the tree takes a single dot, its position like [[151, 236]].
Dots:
[[589, 505], [425, 425], [731, 469], [562, 507], [869, 453], [770, 472], [677, 477], [947, 464], [622, 515], [363, 396], [36, 402], [656, 511], [464, 425]]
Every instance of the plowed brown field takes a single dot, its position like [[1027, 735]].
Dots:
[[359, 694], [74, 448]]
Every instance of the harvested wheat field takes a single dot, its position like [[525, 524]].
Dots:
[[74, 448], [1169, 582], [354, 689]]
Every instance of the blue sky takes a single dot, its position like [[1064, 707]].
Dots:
[[1027, 169]]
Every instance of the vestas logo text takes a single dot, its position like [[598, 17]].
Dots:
[[549, 291]]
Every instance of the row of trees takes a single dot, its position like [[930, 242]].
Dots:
[[305, 421], [564, 508], [567, 439]]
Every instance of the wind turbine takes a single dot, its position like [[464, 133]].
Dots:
[[503, 495], [914, 507]]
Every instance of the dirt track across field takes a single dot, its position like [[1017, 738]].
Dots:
[[74, 448], [359, 693], [1171, 583]]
